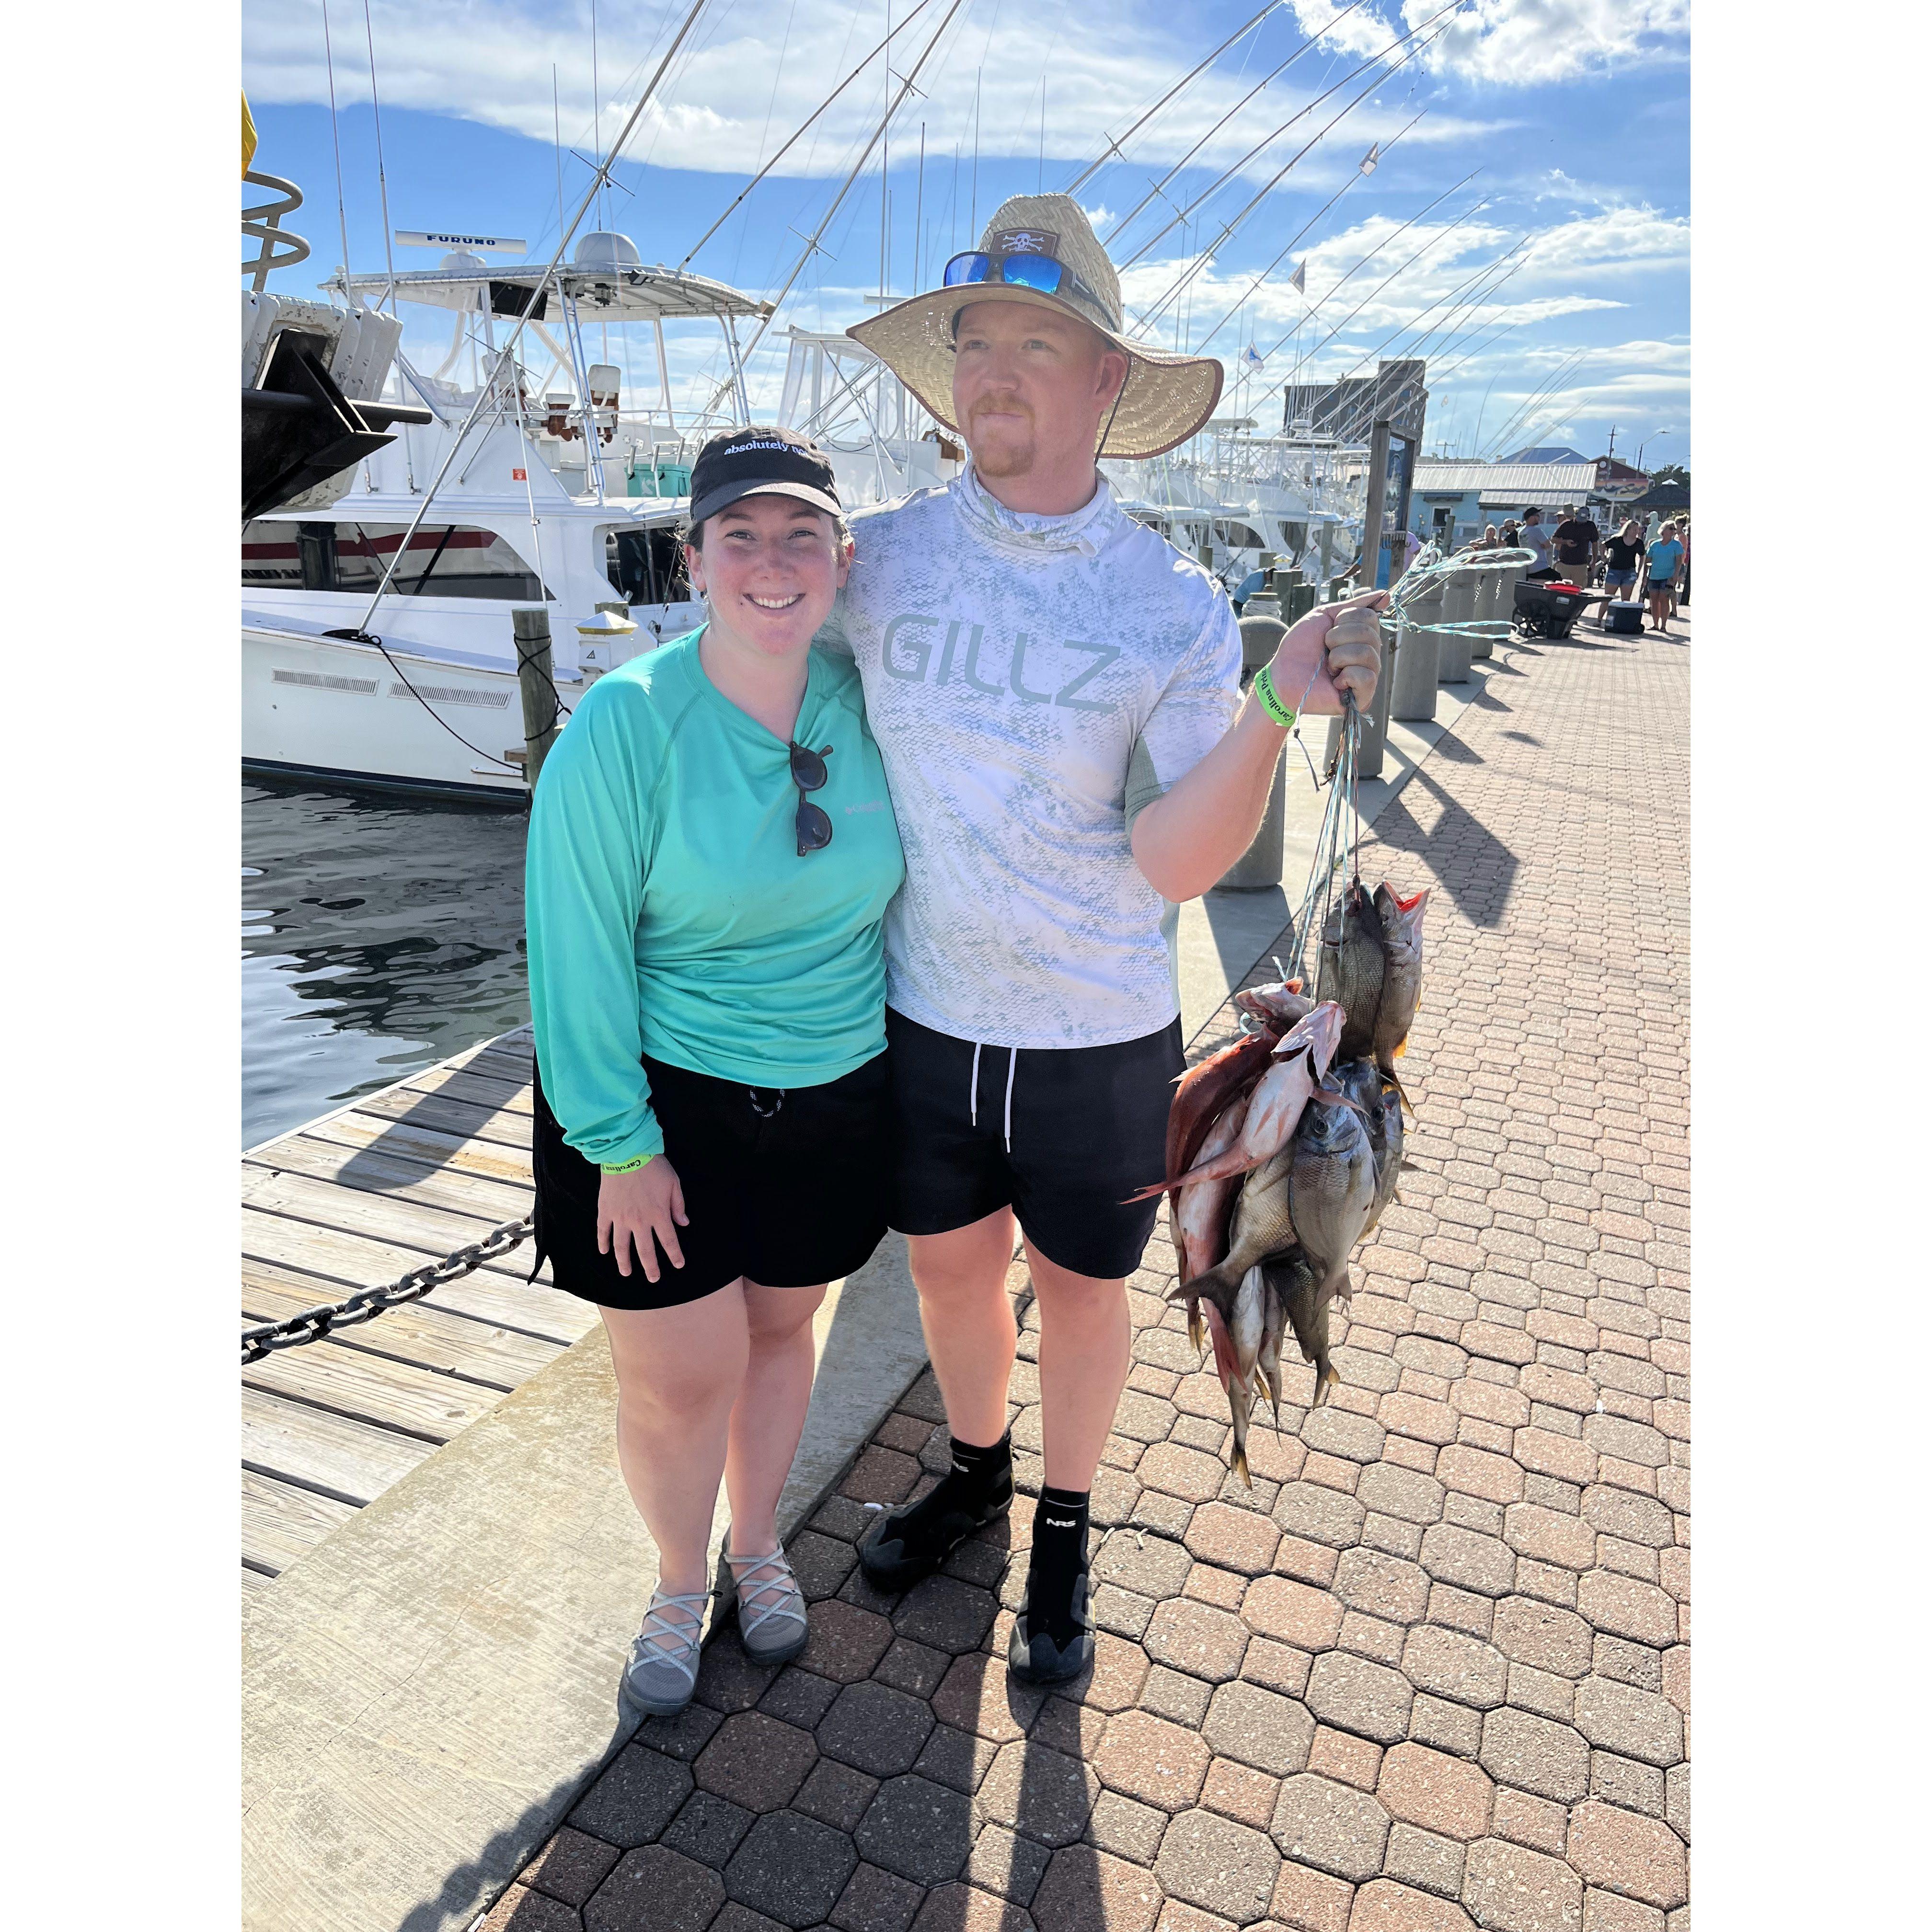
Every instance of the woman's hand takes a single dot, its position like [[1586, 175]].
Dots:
[[631, 1208]]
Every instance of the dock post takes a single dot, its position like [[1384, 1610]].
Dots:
[[532, 627], [1489, 605], [1413, 680], [1458, 606], [1261, 865]]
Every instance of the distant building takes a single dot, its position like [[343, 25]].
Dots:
[[1451, 501], [1548, 452]]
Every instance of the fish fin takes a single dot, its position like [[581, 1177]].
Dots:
[[1239, 1460], [1325, 1378], [1401, 1091], [1197, 1337], [1401, 1047], [1339, 1100]]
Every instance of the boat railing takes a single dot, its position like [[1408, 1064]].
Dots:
[[281, 247]]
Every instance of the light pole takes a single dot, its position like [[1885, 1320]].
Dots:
[[1645, 444]]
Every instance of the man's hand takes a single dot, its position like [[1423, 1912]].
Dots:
[[631, 1208], [1339, 647]]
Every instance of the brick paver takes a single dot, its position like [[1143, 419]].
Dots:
[[1433, 1670]]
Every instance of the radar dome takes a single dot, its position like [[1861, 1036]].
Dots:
[[607, 252], [460, 262]]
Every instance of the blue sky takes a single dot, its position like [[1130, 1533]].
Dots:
[[1570, 116]]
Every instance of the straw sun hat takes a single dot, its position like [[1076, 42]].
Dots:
[[1167, 398]]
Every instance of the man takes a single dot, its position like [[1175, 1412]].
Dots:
[[1534, 536], [1576, 540], [1055, 689]]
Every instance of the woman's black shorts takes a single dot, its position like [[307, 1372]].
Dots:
[[788, 1187]]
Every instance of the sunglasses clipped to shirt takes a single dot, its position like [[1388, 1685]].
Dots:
[[808, 774], [1042, 273]]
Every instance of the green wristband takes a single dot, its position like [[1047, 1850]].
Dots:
[[628, 1166], [1264, 688]]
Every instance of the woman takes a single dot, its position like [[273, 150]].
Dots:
[[1621, 555], [712, 849], [1661, 561]]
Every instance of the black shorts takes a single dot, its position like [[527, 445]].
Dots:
[[788, 1187], [1061, 1135]]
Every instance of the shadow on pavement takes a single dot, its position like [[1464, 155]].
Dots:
[[1485, 869]]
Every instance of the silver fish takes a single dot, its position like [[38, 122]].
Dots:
[[1350, 968], [1245, 1331], [1362, 1081], [1401, 925], [1331, 1188], [1291, 1281]]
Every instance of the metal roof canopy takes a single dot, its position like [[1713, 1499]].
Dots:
[[601, 294]]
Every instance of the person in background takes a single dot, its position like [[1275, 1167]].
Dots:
[[1512, 534], [1662, 562], [1576, 540], [1533, 537], [711, 849], [1622, 555], [1682, 594], [1489, 540]]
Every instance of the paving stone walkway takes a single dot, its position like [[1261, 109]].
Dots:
[[1431, 1670]]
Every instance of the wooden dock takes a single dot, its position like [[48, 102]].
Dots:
[[355, 1199]]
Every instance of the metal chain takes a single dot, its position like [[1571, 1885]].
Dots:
[[366, 1304]]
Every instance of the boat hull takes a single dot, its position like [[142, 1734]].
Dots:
[[343, 713]]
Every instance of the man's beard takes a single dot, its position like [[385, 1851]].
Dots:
[[1010, 451]]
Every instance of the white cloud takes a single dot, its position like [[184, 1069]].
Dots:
[[1519, 43]]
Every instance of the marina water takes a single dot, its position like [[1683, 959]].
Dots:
[[378, 936]]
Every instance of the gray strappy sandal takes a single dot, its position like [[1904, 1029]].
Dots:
[[771, 1606], [662, 1672]]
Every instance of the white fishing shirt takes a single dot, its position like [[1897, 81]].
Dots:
[[1031, 682]]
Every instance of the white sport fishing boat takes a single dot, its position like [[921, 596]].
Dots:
[[561, 495]]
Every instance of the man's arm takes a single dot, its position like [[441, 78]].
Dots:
[[1186, 838]]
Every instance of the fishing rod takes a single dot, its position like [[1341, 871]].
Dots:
[[1537, 396], [1359, 421], [798, 132], [1160, 186], [1187, 214], [1249, 291], [488, 390], [1384, 243], [845, 188], [1403, 329], [1440, 235], [1113, 147], [1207, 255]]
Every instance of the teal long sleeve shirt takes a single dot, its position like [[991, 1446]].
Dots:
[[669, 912]]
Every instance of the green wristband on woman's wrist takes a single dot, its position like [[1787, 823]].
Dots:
[[628, 1166], [1264, 688]]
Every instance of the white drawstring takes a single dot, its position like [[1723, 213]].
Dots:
[[973, 1092], [1012, 1061]]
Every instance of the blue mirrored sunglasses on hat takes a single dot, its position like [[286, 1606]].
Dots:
[[1042, 273]]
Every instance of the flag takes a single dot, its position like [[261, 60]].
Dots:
[[1298, 281], [248, 135], [1251, 358], [1369, 160]]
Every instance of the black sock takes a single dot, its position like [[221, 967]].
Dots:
[[1059, 1558], [976, 1469]]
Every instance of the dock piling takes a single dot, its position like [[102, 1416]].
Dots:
[[542, 712]]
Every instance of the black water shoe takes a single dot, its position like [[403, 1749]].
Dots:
[[1033, 1657], [912, 1541]]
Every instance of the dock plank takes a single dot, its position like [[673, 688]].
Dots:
[[445, 1115], [280, 1522], [446, 1153], [436, 1232], [372, 1388], [458, 1083], [501, 1299], [376, 1170], [353, 1462], [431, 1337]]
